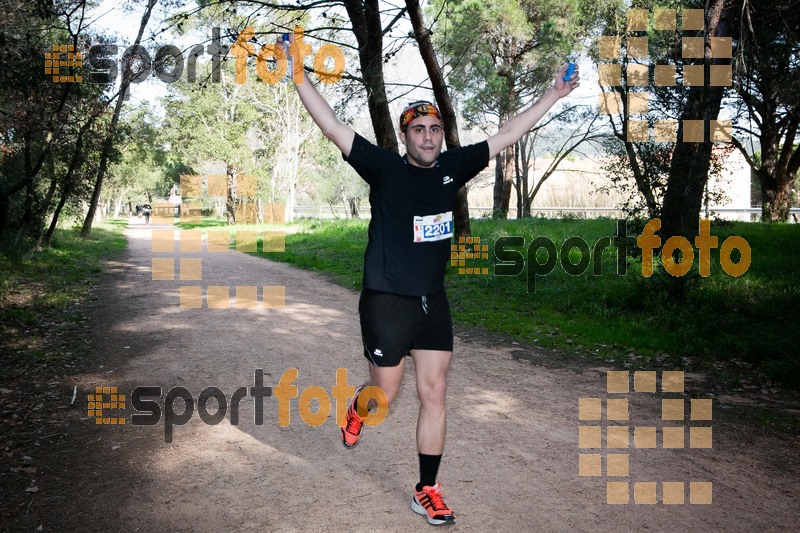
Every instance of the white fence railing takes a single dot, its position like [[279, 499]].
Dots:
[[752, 213], [340, 211]]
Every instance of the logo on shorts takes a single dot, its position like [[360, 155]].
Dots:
[[446, 180], [378, 353]]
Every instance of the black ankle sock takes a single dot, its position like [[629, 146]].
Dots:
[[428, 468]]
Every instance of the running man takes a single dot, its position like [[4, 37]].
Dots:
[[403, 307], [146, 210]]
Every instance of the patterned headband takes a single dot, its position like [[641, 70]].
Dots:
[[416, 110]]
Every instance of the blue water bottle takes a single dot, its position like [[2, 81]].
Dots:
[[289, 67], [570, 71]]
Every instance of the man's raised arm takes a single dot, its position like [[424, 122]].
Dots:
[[520, 124], [341, 134]]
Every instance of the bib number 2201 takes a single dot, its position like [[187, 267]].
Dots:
[[433, 227]]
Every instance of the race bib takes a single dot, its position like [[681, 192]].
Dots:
[[433, 227]]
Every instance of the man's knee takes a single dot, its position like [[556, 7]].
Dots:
[[388, 380], [390, 392], [432, 393]]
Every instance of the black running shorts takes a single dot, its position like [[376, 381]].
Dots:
[[392, 325]]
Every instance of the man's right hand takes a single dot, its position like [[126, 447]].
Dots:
[[285, 41]]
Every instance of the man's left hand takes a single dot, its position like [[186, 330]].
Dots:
[[563, 88]]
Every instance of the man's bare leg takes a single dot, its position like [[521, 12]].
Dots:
[[431, 368], [431, 371], [388, 378]]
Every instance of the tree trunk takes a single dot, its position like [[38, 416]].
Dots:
[[518, 182], [642, 183], [120, 202], [366, 21], [354, 203], [345, 203], [32, 168], [39, 212], [112, 127], [229, 205], [525, 158], [497, 193], [66, 190], [54, 223], [4, 201], [777, 195], [504, 177], [508, 181], [27, 213], [690, 161], [423, 37], [778, 170]]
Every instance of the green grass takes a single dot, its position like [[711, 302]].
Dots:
[[37, 287], [753, 318], [205, 222], [628, 319], [332, 247], [335, 247]]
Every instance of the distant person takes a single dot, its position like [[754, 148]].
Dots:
[[403, 307], [146, 209], [138, 211]]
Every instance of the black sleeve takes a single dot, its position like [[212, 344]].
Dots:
[[470, 160], [367, 159]]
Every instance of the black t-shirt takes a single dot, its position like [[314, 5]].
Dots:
[[412, 214]]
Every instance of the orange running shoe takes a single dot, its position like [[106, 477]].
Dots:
[[428, 502], [353, 423]]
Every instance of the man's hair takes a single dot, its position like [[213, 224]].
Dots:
[[418, 109]]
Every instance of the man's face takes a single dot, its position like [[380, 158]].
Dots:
[[423, 139]]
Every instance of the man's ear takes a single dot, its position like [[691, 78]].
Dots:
[[402, 137]]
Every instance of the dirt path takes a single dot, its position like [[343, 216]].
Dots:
[[511, 462]]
